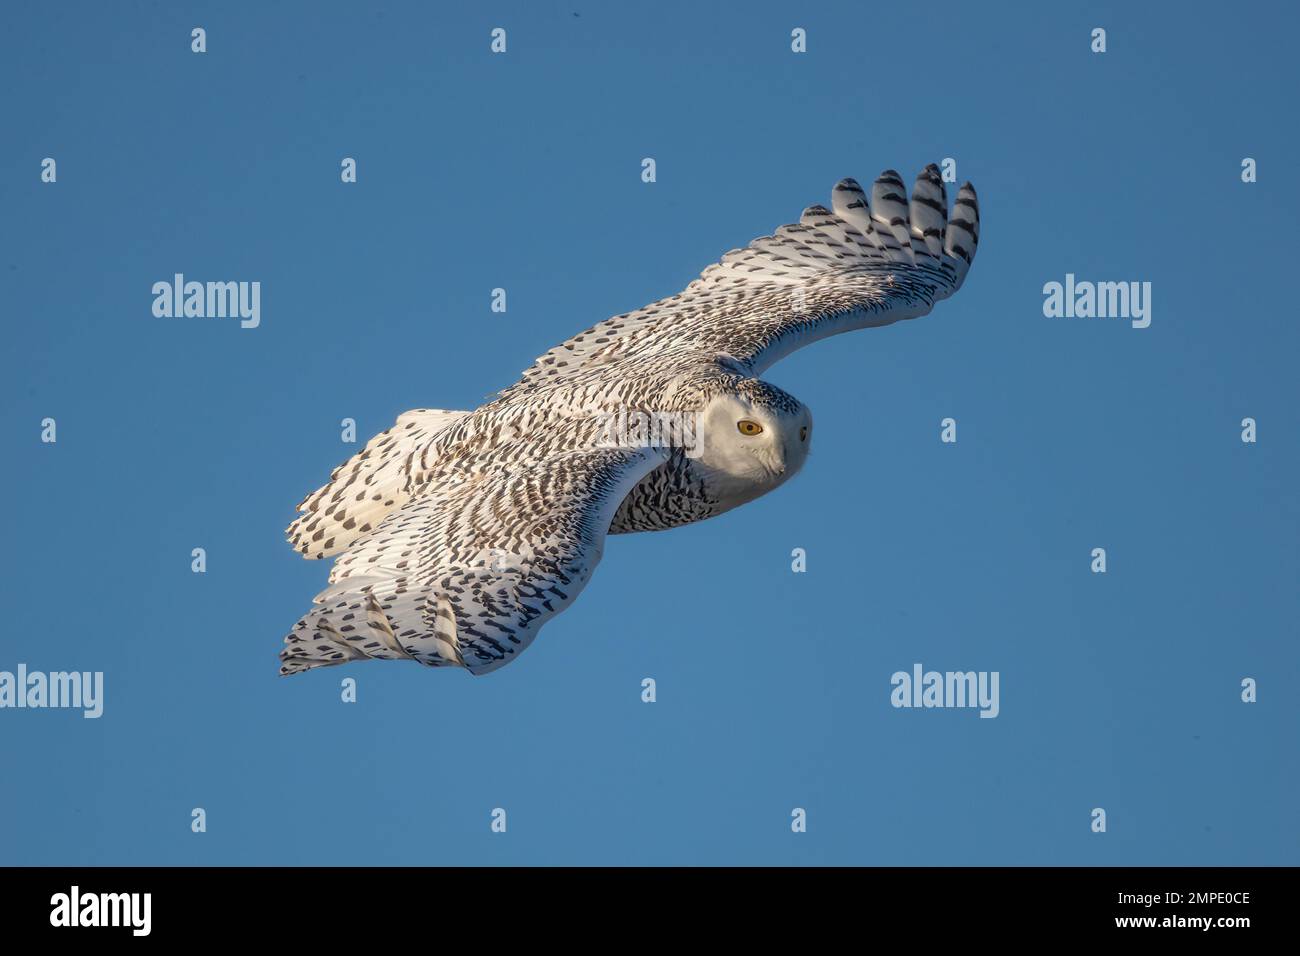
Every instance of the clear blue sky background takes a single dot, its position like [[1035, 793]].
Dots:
[[523, 171]]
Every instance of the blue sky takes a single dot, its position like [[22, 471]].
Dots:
[[522, 171]]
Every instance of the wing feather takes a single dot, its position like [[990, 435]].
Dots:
[[466, 575], [860, 264]]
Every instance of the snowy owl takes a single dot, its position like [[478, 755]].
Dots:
[[460, 533]]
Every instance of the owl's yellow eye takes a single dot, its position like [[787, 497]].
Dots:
[[746, 427]]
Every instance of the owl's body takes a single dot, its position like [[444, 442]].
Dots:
[[460, 533]]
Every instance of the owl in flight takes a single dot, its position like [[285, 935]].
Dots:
[[460, 533]]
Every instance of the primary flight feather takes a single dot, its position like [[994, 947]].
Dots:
[[459, 534]]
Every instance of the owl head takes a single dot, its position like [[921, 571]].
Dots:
[[755, 433]]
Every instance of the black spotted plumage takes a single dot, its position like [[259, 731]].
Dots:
[[459, 534]]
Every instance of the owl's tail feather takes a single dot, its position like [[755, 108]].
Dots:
[[369, 486]]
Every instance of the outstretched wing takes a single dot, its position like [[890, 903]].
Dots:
[[860, 264], [467, 574]]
